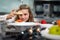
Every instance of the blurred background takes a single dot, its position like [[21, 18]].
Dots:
[[41, 9]]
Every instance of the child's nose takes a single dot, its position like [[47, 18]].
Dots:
[[23, 16]]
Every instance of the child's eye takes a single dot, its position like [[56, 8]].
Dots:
[[20, 15], [25, 14]]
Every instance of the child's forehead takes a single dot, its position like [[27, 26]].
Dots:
[[25, 11], [21, 12]]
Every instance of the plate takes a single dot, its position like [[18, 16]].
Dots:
[[45, 34], [24, 24], [46, 25]]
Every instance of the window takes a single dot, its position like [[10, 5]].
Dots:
[[56, 8], [39, 8]]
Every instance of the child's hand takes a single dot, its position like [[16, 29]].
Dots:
[[12, 14]]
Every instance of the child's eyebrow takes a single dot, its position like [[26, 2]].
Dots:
[[20, 14]]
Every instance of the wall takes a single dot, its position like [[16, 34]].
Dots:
[[8, 5]]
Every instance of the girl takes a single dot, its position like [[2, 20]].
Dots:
[[24, 14]]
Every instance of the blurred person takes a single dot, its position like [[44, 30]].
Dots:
[[23, 13]]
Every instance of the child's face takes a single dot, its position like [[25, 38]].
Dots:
[[23, 14]]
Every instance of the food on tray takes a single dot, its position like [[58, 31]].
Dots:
[[54, 30], [58, 22], [43, 22], [18, 20]]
